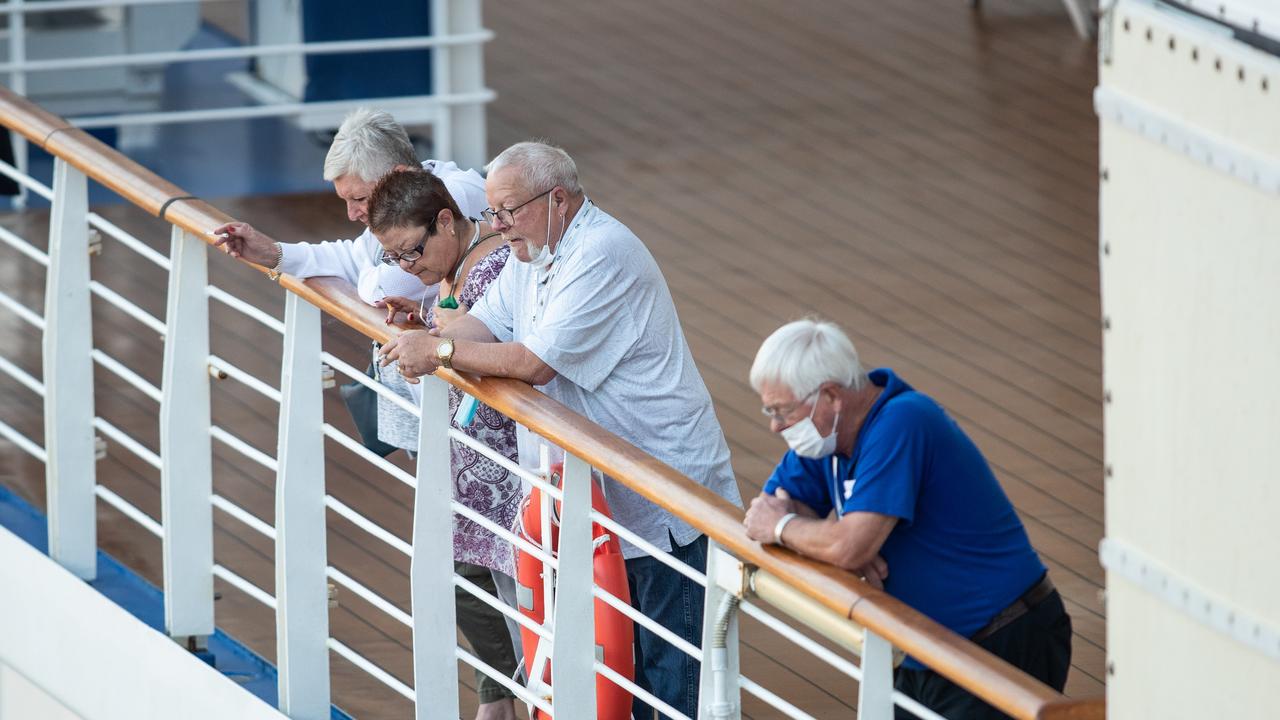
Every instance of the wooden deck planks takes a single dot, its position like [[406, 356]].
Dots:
[[925, 178]]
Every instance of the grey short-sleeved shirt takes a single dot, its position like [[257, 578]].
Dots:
[[604, 320]]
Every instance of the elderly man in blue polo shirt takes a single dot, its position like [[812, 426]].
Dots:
[[881, 481]]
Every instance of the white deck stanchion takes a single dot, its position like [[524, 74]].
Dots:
[[435, 668], [719, 696], [460, 131], [875, 691], [573, 655], [302, 609], [186, 472], [68, 378]]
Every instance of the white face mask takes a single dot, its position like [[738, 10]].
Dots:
[[804, 439], [545, 257]]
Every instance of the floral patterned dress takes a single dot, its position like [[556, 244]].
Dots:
[[478, 483]]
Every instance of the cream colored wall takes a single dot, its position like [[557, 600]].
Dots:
[[1191, 297], [97, 660], [20, 699]]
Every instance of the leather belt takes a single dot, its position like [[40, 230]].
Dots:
[[1031, 598]]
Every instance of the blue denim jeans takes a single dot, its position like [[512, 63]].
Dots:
[[675, 602]]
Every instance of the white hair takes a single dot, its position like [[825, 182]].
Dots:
[[368, 144], [542, 166], [804, 354]]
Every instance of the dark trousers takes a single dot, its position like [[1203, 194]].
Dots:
[[1039, 643], [486, 631], [675, 602]]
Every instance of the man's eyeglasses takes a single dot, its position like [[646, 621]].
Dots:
[[780, 413], [508, 215], [408, 256]]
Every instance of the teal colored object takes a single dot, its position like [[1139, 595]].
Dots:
[[466, 414]]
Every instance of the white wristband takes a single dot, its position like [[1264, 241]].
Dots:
[[782, 524]]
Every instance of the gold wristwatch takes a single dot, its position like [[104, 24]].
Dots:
[[444, 353]]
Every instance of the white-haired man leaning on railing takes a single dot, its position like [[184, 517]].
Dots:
[[881, 481], [586, 315]]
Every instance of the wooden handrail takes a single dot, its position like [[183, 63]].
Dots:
[[964, 662]]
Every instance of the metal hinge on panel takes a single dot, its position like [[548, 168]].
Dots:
[[1194, 142], [95, 242], [1182, 594], [731, 574], [1106, 23], [99, 447], [327, 379]]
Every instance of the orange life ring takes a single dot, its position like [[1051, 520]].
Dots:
[[614, 631]]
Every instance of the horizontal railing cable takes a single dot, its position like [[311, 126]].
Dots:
[[505, 534], [367, 525], [370, 596], [374, 459], [519, 690], [651, 625], [359, 376], [127, 306], [22, 441], [250, 51], [648, 697], [506, 463], [244, 378], [773, 699], [248, 310], [50, 6], [244, 516], [243, 448], [663, 556], [123, 438], [913, 706], [95, 220], [127, 375], [466, 512], [22, 376], [245, 112], [129, 510], [483, 596], [130, 241], [245, 586], [21, 178], [800, 640], [21, 311], [8, 237], [378, 673]]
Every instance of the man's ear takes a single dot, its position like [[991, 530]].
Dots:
[[837, 400]]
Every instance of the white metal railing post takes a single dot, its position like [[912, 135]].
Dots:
[[875, 691], [302, 596], [18, 84], [435, 664], [719, 696], [573, 653], [186, 470], [460, 132], [68, 378]]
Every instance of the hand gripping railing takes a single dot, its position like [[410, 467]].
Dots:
[[832, 603]]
